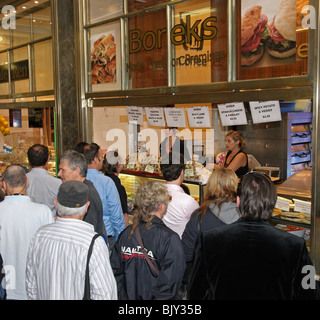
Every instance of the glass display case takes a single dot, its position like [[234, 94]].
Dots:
[[132, 180], [293, 208]]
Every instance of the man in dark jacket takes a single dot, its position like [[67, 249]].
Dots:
[[251, 259]]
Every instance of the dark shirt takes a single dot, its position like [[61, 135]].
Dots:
[[94, 214], [242, 170], [122, 192]]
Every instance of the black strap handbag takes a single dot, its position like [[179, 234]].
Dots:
[[86, 295], [144, 251]]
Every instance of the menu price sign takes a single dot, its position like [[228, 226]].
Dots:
[[265, 111], [175, 117], [283, 204], [232, 114], [302, 206], [155, 117], [199, 117], [135, 114]]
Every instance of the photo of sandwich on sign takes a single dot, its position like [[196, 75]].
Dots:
[[268, 33]]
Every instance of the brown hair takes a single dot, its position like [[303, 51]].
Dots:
[[237, 136], [221, 187]]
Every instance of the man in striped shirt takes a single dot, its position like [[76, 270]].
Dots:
[[58, 253]]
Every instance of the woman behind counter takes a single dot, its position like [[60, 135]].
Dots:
[[236, 159]]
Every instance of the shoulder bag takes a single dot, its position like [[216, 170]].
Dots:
[[144, 251], [86, 295]]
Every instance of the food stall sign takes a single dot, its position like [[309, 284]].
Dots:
[[283, 204], [199, 117], [232, 114], [175, 117], [265, 111], [135, 114], [302, 206], [155, 117]]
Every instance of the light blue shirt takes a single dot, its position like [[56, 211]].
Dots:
[[112, 210]]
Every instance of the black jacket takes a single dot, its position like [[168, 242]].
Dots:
[[135, 279], [249, 260]]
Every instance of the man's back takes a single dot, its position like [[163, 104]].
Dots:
[[179, 209], [112, 211], [20, 218], [250, 260], [57, 261], [43, 187]]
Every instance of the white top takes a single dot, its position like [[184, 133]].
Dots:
[[57, 261], [20, 218], [43, 188], [179, 209]]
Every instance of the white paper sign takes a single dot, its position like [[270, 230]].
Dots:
[[283, 204], [175, 117], [155, 117], [199, 117], [302, 206], [265, 111], [135, 114], [232, 114]]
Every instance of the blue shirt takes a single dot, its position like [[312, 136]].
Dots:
[[112, 211]]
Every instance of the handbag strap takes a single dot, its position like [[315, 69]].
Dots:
[[86, 295], [144, 251]]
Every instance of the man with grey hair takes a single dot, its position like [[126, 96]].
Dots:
[[20, 218], [57, 256], [73, 166]]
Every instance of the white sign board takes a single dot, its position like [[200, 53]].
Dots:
[[175, 117], [302, 206], [283, 204], [199, 117], [135, 114], [155, 117], [265, 111], [232, 114]]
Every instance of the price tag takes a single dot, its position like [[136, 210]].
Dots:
[[149, 169], [188, 173], [232, 114], [283, 204], [265, 111], [302, 206]]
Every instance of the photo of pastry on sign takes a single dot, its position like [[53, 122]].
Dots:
[[103, 60], [268, 32]]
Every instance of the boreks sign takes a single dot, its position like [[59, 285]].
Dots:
[[19, 71], [181, 34]]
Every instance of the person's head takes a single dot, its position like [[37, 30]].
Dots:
[[72, 166], [172, 165], [38, 155], [151, 200], [94, 156], [258, 196], [14, 179], [112, 162], [171, 131], [81, 146], [221, 187], [234, 139], [72, 200]]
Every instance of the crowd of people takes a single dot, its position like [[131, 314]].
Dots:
[[69, 238]]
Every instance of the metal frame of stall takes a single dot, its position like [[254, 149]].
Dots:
[[286, 88]]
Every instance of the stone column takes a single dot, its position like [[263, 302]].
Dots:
[[66, 98]]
